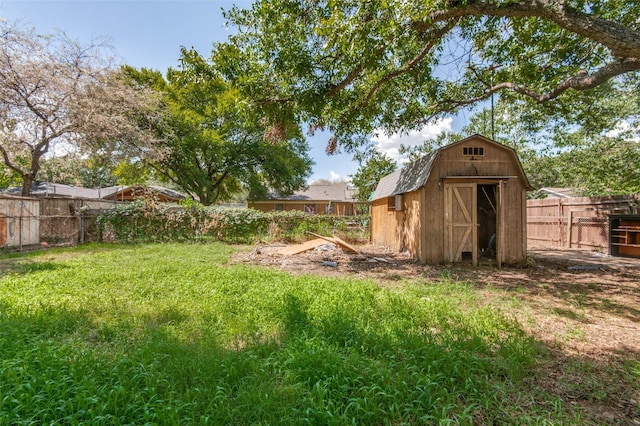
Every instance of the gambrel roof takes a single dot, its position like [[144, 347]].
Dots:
[[415, 174], [409, 178]]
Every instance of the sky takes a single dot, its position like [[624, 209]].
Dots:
[[150, 33]]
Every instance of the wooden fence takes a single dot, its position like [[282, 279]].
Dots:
[[27, 222], [581, 222], [19, 225], [70, 220]]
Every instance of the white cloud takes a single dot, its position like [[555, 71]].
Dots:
[[630, 130], [390, 144], [333, 176]]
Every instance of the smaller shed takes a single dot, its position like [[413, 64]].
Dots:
[[19, 221], [458, 203]]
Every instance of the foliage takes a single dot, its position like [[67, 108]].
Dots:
[[371, 170], [149, 221], [598, 157], [73, 169], [8, 177], [414, 152], [56, 92], [214, 149], [598, 167], [169, 334], [353, 67]]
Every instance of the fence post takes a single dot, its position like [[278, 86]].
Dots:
[[569, 226], [81, 228], [20, 225]]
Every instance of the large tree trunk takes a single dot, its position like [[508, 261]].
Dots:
[[27, 181]]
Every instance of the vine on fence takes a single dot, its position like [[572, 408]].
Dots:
[[150, 221]]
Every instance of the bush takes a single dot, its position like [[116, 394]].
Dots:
[[150, 221]]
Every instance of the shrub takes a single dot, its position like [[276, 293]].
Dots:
[[150, 221]]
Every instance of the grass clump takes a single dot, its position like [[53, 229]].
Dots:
[[172, 334]]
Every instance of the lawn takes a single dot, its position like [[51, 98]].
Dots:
[[175, 334]]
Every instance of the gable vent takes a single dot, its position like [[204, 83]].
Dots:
[[473, 151]]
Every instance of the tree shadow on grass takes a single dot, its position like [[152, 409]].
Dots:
[[333, 366], [608, 291]]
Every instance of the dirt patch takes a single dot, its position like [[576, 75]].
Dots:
[[583, 309]]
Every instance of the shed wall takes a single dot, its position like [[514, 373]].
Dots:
[[420, 228], [433, 235], [496, 161], [386, 225]]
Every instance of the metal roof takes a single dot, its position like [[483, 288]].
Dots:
[[48, 189], [411, 177], [414, 175]]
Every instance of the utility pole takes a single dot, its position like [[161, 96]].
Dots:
[[492, 68]]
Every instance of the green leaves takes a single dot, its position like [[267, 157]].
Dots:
[[149, 221], [370, 172], [215, 146], [355, 66]]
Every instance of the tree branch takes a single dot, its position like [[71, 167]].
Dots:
[[622, 40], [9, 163], [336, 88], [433, 38], [581, 81]]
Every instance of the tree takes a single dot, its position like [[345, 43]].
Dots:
[[54, 91], [600, 166], [554, 154], [354, 66], [93, 171], [213, 147], [371, 170]]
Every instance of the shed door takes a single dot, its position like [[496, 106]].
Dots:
[[461, 218], [500, 221]]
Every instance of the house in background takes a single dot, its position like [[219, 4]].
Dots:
[[556, 193], [50, 190], [114, 193], [457, 203], [130, 193], [338, 198]]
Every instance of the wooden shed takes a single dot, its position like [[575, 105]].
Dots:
[[461, 202]]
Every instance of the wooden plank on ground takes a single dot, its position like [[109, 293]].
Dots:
[[344, 245], [337, 241], [330, 239], [299, 248]]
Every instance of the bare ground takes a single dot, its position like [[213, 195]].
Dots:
[[582, 309]]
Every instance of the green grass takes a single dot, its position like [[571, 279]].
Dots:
[[172, 334]]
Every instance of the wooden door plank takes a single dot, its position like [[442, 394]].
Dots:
[[344, 245], [306, 246]]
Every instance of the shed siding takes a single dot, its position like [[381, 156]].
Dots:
[[433, 234], [496, 161], [386, 230], [411, 222], [513, 227]]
